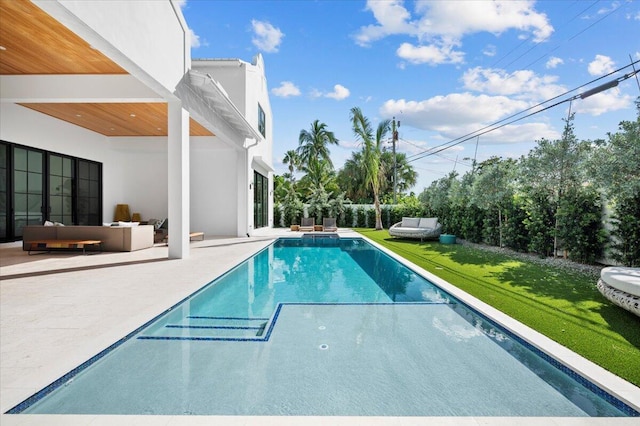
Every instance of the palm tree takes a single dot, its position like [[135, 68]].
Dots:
[[313, 144], [351, 179], [292, 159], [407, 176], [371, 153]]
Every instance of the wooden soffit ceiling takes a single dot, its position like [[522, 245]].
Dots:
[[117, 119], [34, 43]]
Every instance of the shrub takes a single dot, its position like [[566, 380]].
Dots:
[[515, 234], [371, 218], [348, 217], [580, 225], [361, 218], [626, 230], [277, 215], [540, 224]]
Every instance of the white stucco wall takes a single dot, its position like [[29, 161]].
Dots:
[[134, 170], [142, 170], [213, 187], [231, 74], [246, 85]]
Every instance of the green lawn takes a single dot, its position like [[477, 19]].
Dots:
[[563, 305]]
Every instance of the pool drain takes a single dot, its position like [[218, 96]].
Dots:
[[324, 347], [322, 327]]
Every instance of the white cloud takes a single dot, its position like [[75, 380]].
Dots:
[[490, 50], [524, 84], [286, 89], [441, 25], [430, 54], [459, 18], [195, 39], [454, 113], [266, 37], [392, 18], [315, 93], [610, 100], [601, 65], [553, 62], [458, 114], [339, 93]]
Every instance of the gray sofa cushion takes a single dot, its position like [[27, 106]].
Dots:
[[410, 222]]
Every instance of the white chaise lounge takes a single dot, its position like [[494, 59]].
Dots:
[[621, 286], [416, 227]]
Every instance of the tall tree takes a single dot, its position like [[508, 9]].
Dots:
[[492, 188], [405, 173], [292, 160], [553, 167], [615, 166], [371, 153], [352, 181], [313, 144]]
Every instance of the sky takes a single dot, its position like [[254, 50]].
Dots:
[[445, 70]]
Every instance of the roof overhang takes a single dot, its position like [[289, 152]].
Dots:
[[261, 165], [216, 97], [45, 65]]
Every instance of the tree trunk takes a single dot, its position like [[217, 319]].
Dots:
[[500, 225], [376, 204]]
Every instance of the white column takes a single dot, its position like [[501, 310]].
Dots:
[[245, 191], [178, 184]]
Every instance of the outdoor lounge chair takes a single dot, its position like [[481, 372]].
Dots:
[[329, 224], [416, 227], [621, 285], [306, 224]]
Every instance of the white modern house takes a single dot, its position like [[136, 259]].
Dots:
[[102, 105]]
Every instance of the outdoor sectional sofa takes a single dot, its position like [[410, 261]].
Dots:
[[416, 227], [112, 238]]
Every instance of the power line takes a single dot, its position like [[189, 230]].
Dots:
[[536, 44], [502, 123]]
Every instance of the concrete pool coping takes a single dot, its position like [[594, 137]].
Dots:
[[54, 302]]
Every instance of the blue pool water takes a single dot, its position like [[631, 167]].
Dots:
[[323, 327]]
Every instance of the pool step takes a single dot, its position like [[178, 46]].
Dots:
[[213, 327]]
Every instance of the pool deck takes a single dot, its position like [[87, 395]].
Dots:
[[58, 310]]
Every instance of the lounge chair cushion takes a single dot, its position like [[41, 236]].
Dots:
[[428, 222], [410, 222]]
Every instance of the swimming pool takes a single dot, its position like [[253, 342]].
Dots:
[[302, 328]]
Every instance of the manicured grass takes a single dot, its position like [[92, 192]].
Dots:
[[563, 305]]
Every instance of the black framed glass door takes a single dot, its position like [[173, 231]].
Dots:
[[260, 200], [61, 178], [37, 185], [4, 191], [28, 183]]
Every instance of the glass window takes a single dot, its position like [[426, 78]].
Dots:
[[20, 159], [262, 121], [89, 195]]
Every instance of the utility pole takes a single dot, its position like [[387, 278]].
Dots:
[[394, 138]]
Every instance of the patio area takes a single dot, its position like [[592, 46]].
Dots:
[[58, 310]]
